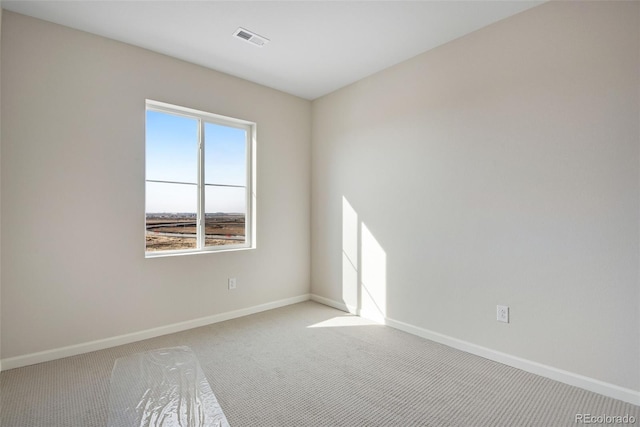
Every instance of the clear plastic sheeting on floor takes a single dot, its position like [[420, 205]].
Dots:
[[162, 388]]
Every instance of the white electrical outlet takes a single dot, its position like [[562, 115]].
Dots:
[[232, 283], [503, 313]]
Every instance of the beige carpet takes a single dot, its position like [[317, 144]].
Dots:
[[274, 369]]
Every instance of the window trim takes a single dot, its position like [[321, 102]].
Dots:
[[250, 186]]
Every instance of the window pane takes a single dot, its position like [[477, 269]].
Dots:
[[225, 155], [171, 216], [225, 209], [172, 147]]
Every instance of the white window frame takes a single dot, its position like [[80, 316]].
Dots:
[[250, 187]]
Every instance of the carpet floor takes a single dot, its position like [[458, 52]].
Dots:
[[310, 365]]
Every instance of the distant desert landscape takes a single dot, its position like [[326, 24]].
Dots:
[[178, 231]]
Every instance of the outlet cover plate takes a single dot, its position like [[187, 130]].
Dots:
[[503, 313], [232, 283]]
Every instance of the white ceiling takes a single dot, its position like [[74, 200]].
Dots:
[[316, 47]]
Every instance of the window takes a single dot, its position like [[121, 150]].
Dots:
[[199, 172]]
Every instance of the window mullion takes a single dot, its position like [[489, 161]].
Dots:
[[201, 210]]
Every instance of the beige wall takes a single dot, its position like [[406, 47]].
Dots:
[[0, 187], [501, 168], [73, 266]]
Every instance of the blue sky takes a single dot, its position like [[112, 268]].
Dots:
[[172, 155]]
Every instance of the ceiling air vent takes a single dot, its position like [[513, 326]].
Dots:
[[250, 37]]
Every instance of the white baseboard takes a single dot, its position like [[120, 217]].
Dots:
[[577, 380], [335, 304], [73, 350]]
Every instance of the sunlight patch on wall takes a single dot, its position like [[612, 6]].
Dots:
[[374, 278], [349, 256]]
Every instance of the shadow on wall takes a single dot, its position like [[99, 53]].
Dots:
[[364, 268]]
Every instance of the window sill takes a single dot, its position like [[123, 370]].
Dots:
[[163, 254]]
